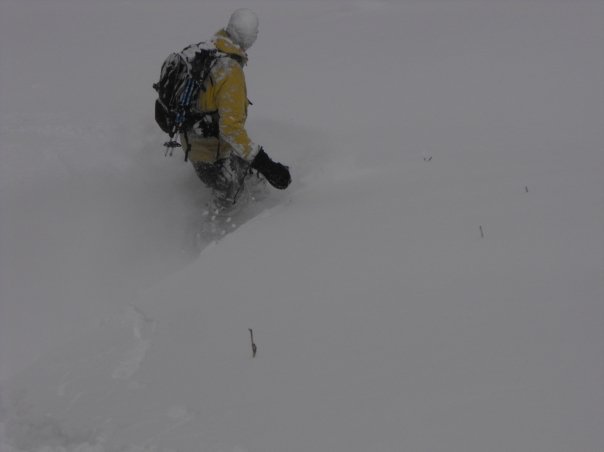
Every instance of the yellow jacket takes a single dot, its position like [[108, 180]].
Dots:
[[225, 92]]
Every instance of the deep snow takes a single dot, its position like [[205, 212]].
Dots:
[[432, 281]]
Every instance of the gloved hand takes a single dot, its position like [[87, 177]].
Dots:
[[276, 173]]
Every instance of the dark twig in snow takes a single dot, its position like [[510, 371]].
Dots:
[[254, 347]]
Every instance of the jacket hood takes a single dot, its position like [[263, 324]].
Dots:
[[225, 44]]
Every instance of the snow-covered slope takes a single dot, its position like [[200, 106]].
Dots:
[[432, 281]]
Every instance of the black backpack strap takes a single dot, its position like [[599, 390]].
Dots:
[[188, 143]]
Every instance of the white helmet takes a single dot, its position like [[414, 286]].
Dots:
[[243, 27]]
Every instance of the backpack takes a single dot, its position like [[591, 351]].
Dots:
[[182, 76]]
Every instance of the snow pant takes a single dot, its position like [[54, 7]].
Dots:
[[225, 178]]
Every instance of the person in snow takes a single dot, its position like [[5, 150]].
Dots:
[[224, 163]]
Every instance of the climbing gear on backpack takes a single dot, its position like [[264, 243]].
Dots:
[[183, 74]]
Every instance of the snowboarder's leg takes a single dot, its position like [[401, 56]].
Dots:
[[207, 172], [225, 178]]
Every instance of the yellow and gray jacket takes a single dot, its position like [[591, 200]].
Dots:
[[224, 92]]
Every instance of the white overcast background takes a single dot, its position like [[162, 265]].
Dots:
[[433, 280]]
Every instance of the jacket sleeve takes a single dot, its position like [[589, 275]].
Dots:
[[232, 103]]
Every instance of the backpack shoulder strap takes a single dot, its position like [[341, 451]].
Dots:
[[238, 58]]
